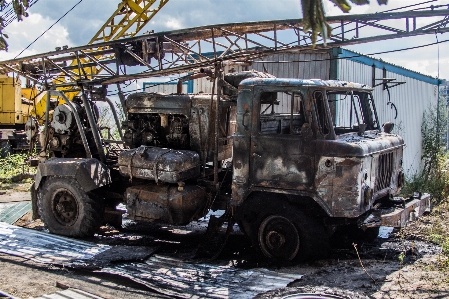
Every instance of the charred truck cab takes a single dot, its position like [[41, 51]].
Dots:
[[291, 161]]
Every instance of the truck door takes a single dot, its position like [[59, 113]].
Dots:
[[281, 151]]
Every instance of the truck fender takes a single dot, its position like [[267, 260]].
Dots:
[[89, 173], [292, 196], [313, 196]]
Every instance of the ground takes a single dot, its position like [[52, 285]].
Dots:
[[407, 265]]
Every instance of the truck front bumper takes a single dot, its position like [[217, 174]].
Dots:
[[410, 211]]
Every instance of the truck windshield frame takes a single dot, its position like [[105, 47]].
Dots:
[[352, 109]]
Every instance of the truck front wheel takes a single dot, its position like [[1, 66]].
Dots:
[[278, 238], [67, 210], [291, 235]]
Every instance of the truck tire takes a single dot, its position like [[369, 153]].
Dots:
[[67, 210], [291, 235], [321, 292]]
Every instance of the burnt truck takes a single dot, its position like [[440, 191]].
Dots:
[[290, 161]]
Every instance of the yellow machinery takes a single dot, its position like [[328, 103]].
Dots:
[[17, 104]]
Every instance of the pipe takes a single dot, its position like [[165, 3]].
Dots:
[[217, 123], [114, 113], [93, 127], [190, 77]]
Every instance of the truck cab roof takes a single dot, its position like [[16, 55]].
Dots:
[[289, 82]]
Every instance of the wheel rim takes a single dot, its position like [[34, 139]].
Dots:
[[279, 238], [65, 207]]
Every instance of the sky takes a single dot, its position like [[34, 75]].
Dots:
[[79, 26]]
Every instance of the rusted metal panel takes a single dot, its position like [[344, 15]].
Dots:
[[399, 217], [166, 203], [174, 277], [167, 275], [90, 173], [52, 249], [159, 164], [144, 102], [341, 168]]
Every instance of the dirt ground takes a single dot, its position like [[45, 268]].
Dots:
[[407, 265]]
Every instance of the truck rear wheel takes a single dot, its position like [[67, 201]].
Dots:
[[67, 210]]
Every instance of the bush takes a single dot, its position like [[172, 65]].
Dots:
[[433, 177], [12, 165]]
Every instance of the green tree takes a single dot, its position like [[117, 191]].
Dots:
[[19, 7], [314, 18]]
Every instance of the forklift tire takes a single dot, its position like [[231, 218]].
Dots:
[[67, 210]]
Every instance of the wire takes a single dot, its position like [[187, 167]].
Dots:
[[10, 15], [48, 28]]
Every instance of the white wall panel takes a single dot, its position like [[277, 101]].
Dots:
[[164, 88]]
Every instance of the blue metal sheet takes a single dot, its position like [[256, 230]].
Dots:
[[13, 212]]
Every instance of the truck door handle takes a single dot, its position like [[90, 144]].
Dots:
[[245, 120]]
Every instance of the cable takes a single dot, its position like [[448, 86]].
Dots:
[[49, 28], [10, 15]]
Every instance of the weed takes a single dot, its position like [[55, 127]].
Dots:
[[12, 165], [433, 176]]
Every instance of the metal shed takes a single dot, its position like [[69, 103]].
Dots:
[[411, 93]]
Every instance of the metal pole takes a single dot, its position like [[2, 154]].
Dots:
[[93, 126], [117, 121], [217, 121]]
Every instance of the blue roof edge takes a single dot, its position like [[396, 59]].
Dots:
[[366, 60]]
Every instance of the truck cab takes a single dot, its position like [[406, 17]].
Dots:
[[309, 155]]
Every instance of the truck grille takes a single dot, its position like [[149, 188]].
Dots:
[[384, 171]]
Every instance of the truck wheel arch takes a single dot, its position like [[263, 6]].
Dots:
[[297, 198], [89, 173], [262, 210]]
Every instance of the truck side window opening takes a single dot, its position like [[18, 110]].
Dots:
[[321, 111], [281, 113]]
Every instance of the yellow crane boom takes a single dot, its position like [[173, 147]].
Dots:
[[128, 19]]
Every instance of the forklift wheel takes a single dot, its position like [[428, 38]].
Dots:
[[67, 210]]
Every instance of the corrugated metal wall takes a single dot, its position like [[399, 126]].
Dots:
[[313, 65], [410, 99], [163, 88], [283, 65]]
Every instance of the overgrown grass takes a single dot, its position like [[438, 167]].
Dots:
[[13, 165], [433, 176]]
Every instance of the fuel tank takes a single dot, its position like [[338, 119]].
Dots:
[[159, 164]]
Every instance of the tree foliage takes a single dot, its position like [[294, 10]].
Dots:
[[433, 176], [314, 18], [19, 7]]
